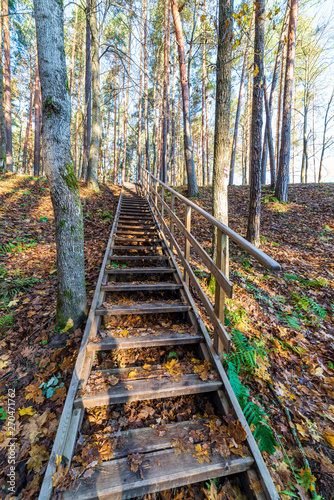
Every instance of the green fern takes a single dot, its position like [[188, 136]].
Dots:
[[245, 356], [6, 321], [318, 310]]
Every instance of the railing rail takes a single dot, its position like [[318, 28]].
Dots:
[[220, 268]]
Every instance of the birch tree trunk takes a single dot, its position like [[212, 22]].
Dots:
[[95, 142], [237, 117], [281, 191], [221, 161], [253, 227], [64, 189], [88, 103], [8, 90], [188, 147]]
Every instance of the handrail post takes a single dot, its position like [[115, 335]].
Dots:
[[163, 199], [156, 194], [223, 265], [172, 207], [186, 242]]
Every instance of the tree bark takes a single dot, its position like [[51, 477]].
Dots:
[[140, 93], [64, 188], [77, 118], [29, 120], [203, 130], [253, 227], [303, 172], [237, 117], [279, 107], [74, 48], [188, 147], [38, 124], [95, 142], [147, 138], [88, 103], [115, 126], [278, 63], [221, 162], [281, 191], [126, 103], [3, 137], [8, 91], [324, 136], [165, 116], [173, 151], [269, 142]]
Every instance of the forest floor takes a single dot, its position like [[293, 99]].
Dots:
[[286, 318]]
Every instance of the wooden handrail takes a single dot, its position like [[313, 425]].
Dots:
[[219, 269], [260, 256]]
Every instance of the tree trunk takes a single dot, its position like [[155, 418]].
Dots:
[[115, 129], [253, 227], [203, 130], [303, 172], [278, 63], [279, 107], [140, 93], [38, 118], [88, 103], [8, 91], [314, 134], [77, 118], [3, 137], [29, 120], [221, 162], [64, 188], [126, 103], [324, 136], [281, 191], [94, 151], [270, 142], [74, 46], [147, 138], [173, 152], [188, 148], [237, 117], [165, 116]]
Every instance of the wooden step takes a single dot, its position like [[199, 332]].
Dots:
[[138, 257], [143, 389], [135, 226], [136, 219], [139, 240], [129, 232], [143, 308], [150, 340], [128, 287], [140, 270], [161, 470], [136, 247]]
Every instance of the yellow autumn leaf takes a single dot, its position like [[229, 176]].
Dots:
[[123, 333], [26, 411], [147, 367], [256, 70], [69, 325], [38, 455], [329, 438], [201, 454], [133, 374], [301, 431]]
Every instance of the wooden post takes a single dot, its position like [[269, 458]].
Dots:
[[163, 199], [187, 244], [172, 207], [223, 265], [156, 194]]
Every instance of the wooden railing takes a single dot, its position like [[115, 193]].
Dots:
[[155, 191]]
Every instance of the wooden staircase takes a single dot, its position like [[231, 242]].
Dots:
[[139, 263]]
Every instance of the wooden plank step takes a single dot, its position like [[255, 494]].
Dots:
[[146, 440], [142, 240], [140, 270], [143, 308], [129, 287], [148, 232], [161, 470], [150, 340], [136, 247], [136, 226], [136, 219], [139, 257], [143, 389]]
